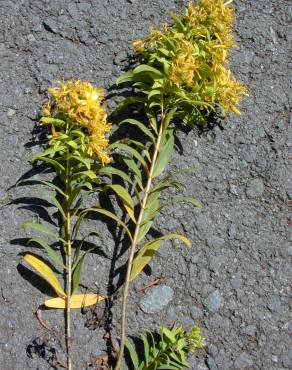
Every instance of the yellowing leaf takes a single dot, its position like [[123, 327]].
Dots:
[[76, 301], [46, 272], [176, 236]]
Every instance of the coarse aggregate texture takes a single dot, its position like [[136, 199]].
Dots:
[[235, 281]]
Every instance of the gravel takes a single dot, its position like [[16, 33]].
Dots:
[[235, 280]]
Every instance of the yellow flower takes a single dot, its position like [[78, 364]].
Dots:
[[47, 109], [139, 46], [81, 104]]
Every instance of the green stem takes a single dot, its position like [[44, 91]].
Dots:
[[135, 241], [68, 268]]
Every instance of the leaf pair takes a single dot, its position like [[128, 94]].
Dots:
[[76, 301]]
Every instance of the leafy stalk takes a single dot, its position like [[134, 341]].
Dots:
[[135, 239], [182, 76], [68, 249], [76, 151]]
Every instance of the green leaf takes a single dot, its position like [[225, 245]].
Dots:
[[132, 352], [46, 272], [40, 227], [145, 69], [144, 230], [51, 252], [133, 152], [169, 367], [48, 152], [180, 237], [83, 160], [111, 171], [150, 211], [152, 119], [72, 143], [77, 271], [146, 348], [125, 197], [141, 126], [57, 166], [84, 174], [52, 121], [112, 216], [128, 101], [143, 257], [56, 203], [153, 93], [165, 155], [178, 23], [168, 334], [135, 169], [169, 116], [41, 182], [126, 77]]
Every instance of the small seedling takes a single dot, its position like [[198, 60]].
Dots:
[[166, 350]]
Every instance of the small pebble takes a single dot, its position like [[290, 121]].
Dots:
[[243, 361], [11, 112], [214, 301], [156, 299]]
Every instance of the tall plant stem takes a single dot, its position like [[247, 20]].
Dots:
[[135, 241], [68, 270]]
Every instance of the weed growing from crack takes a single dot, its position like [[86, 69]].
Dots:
[[166, 350]]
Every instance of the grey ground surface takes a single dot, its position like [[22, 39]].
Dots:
[[235, 281]]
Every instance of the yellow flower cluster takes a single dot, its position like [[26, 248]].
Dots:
[[195, 51], [81, 104]]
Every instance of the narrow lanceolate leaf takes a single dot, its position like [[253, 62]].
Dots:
[[41, 182], [143, 257], [126, 199], [141, 126], [132, 352], [126, 77], [56, 203], [133, 152], [185, 240], [52, 121], [76, 301], [146, 348], [132, 165], [78, 268], [144, 68], [51, 252], [41, 228], [83, 160], [84, 174], [144, 230], [112, 216], [111, 171], [164, 156], [46, 272], [58, 166]]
